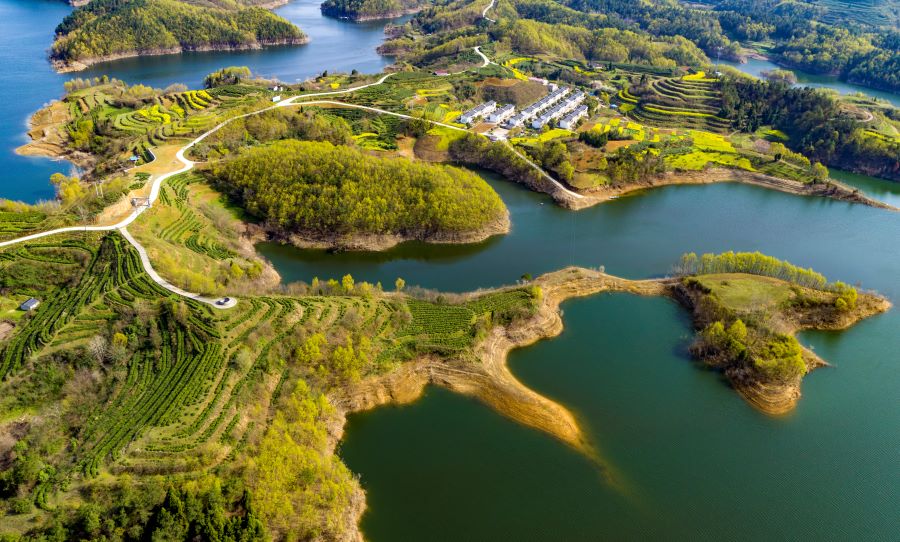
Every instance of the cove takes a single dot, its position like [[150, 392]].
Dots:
[[638, 236], [755, 66], [686, 458], [880, 189], [683, 457], [27, 81]]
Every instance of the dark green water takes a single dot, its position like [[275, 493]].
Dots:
[[687, 458], [684, 457], [636, 236], [880, 189]]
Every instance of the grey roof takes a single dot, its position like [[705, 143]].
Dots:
[[29, 304]]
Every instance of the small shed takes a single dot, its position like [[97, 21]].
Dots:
[[30, 304]]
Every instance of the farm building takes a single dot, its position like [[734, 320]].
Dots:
[[502, 114], [569, 121], [30, 304], [478, 111]]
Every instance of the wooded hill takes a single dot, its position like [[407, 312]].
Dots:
[[369, 9], [106, 28], [318, 188], [662, 33]]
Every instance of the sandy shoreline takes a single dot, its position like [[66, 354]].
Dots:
[[380, 242], [492, 383]]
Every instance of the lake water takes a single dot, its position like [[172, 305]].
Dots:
[[755, 67], [28, 82], [682, 456]]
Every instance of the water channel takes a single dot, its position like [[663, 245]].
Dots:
[[682, 456]]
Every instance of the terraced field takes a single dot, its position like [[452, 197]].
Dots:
[[190, 229], [180, 115], [689, 102]]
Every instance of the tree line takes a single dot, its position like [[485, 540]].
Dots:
[[815, 123], [753, 263], [319, 188], [108, 27], [362, 9]]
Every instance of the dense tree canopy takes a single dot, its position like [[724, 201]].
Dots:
[[110, 27], [814, 122], [316, 187]]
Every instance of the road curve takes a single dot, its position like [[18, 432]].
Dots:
[[218, 303], [483, 56], [154, 194], [380, 111], [488, 8]]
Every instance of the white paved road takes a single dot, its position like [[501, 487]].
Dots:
[[488, 8], [188, 165], [154, 194]]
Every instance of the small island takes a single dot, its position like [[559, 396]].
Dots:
[[313, 193], [747, 307], [365, 10], [105, 30]]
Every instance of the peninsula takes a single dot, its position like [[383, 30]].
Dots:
[[322, 195], [160, 381]]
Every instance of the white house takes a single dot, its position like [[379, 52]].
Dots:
[[502, 114], [477, 111], [569, 121]]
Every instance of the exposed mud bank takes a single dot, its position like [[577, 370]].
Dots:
[[833, 189], [64, 66], [379, 242]]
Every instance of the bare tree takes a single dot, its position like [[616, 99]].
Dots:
[[97, 347]]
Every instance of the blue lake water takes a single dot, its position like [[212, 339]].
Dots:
[[28, 82]]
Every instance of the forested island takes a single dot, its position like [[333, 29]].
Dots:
[[337, 196], [747, 306], [363, 10], [109, 29]]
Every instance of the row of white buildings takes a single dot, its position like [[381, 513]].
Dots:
[[564, 106], [569, 121], [502, 114], [477, 112], [537, 107], [561, 101]]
